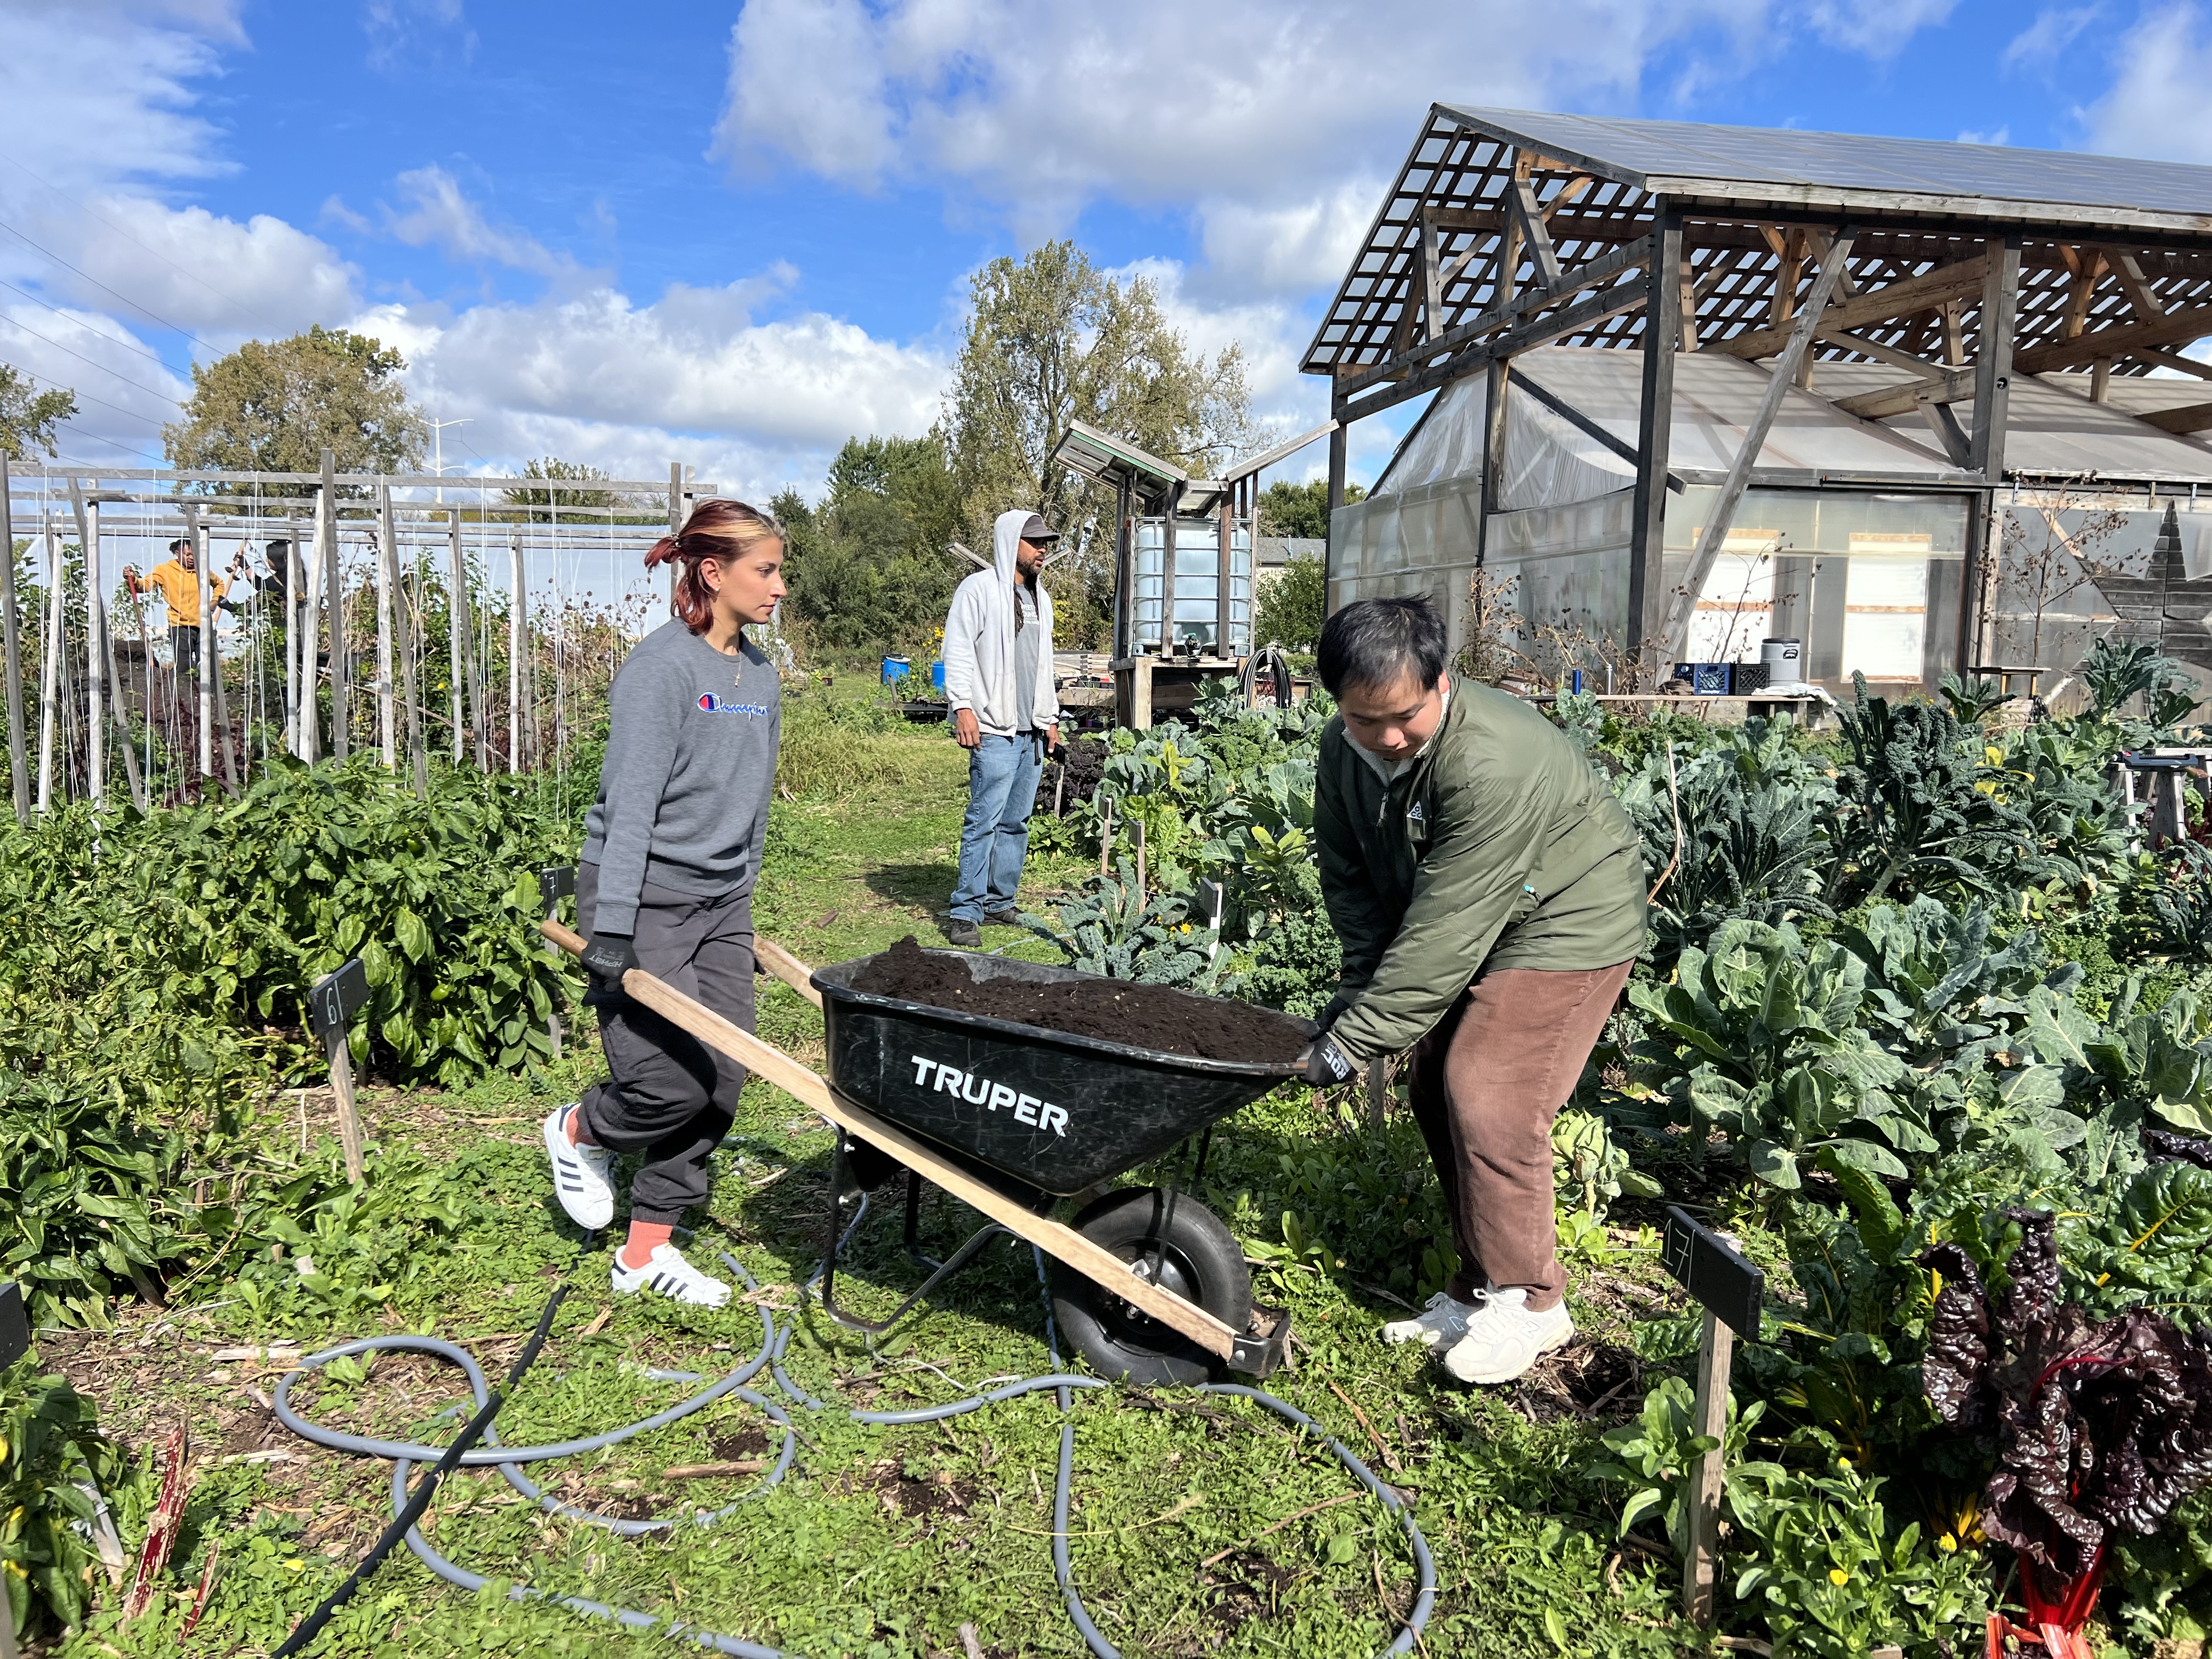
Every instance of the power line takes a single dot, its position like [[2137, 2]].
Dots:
[[113, 443], [58, 191], [149, 356], [155, 316], [80, 357], [57, 386]]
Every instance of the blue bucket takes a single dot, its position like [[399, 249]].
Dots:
[[937, 676], [895, 669]]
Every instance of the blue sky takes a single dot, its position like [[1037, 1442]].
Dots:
[[733, 235]]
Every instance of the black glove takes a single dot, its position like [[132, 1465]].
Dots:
[[609, 956], [1334, 1011], [1326, 1065]]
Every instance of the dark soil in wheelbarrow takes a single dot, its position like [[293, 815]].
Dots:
[[1142, 1016]]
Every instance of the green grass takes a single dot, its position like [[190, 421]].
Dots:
[[886, 1542]]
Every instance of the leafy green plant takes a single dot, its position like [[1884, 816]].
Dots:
[[2180, 902], [1590, 1168], [1759, 1038], [1912, 811], [1834, 1577], [1116, 928], [1972, 701], [57, 1475], [2115, 671], [1654, 1455]]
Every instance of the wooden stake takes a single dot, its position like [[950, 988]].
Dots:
[[387, 571], [51, 666], [1701, 1567], [516, 634], [1055, 1239], [95, 621], [349, 1135], [203, 697], [334, 578]]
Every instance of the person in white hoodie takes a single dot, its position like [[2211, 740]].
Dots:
[[998, 681]]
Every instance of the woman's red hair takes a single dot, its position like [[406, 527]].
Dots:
[[719, 530]]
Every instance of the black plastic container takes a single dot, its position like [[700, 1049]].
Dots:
[[1055, 1112]]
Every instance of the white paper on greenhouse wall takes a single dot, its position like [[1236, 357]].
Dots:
[[1735, 610], [1886, 607]]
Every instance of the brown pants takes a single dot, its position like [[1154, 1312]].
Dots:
[[1484, 1087]]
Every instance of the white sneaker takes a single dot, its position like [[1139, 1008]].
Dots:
[[1442, 1322], [580, 1174], [1504, 1338], [667, 1274]]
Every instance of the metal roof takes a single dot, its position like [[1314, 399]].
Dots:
[[1681, 158], [2104, 241]]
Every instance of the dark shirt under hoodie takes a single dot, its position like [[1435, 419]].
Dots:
[[689, 774]]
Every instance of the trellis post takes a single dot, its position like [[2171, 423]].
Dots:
[[18, 771]]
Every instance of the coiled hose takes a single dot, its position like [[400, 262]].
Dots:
[[774, 1339]]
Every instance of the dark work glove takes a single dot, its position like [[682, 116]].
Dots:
[[1334, 1011], [1326, 1065], [609, 956]]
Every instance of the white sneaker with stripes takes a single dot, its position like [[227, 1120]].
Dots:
[[580, 1174], [667, 1272]]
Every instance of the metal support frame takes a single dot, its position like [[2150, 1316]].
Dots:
[[1647, 546], [1684, 602], [334, 583], [840, 1232]]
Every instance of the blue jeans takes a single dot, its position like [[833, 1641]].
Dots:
[[1002, 786]]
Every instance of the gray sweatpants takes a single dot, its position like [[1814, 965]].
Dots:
[[668, 1095]]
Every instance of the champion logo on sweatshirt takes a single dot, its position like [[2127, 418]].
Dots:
[[711, 704]]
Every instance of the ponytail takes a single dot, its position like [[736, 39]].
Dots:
[[723, 531]]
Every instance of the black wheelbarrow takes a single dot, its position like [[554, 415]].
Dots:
[[1147, 1284], [1036, 1115]]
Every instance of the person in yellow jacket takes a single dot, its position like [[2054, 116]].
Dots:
[[176, 579]]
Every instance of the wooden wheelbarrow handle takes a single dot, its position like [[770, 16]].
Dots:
[[810, 1089]]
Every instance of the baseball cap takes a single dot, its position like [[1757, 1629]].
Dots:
[[1037, 531]]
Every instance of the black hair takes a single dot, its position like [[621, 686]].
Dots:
[[269, 550], [181, 541], [1375, 643]]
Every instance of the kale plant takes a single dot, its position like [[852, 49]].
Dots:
[[1972, 701], [1116, 928], [1917, 807]]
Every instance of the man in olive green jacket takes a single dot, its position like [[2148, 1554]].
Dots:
[[1489, 893]]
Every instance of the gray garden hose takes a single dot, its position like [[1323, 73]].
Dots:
[[774, 1339]]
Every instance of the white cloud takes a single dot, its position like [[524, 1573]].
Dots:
[[1272, 125], [403, 32], [598, 378], [1878, 28], [2155, 105], [2001, 136], [2055, 29], [438, 214]]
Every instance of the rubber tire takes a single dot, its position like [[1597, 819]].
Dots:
[[1200, 1260]]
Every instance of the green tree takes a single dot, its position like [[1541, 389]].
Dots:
[[583, 497], [28, 416], [1301, 510], [868, 567], [274, 405], [1292, 605], [1050, 339]]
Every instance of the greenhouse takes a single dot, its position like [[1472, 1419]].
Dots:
[[1925, 404]]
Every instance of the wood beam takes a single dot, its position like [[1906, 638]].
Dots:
[[1500, 315], [1952, 313], [1877, 305], [1994, 367], [1786, 274], [2174, 328], [1432, 288], [1954, 387], [1534, 233], [2173, 359], [1626, 296], [2129, 269], [1723, 515], [1880, 353], [2191, 417], [1567, 192], [2088, 271], [1654, 430], [1822, 247], [1945, 425], [1574, 418]]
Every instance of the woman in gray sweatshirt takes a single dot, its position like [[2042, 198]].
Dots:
[[671, 849]]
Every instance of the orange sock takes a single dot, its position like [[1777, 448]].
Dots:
[[644, 1238]]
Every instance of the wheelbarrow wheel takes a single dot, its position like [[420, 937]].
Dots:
[[1198, 1260]]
